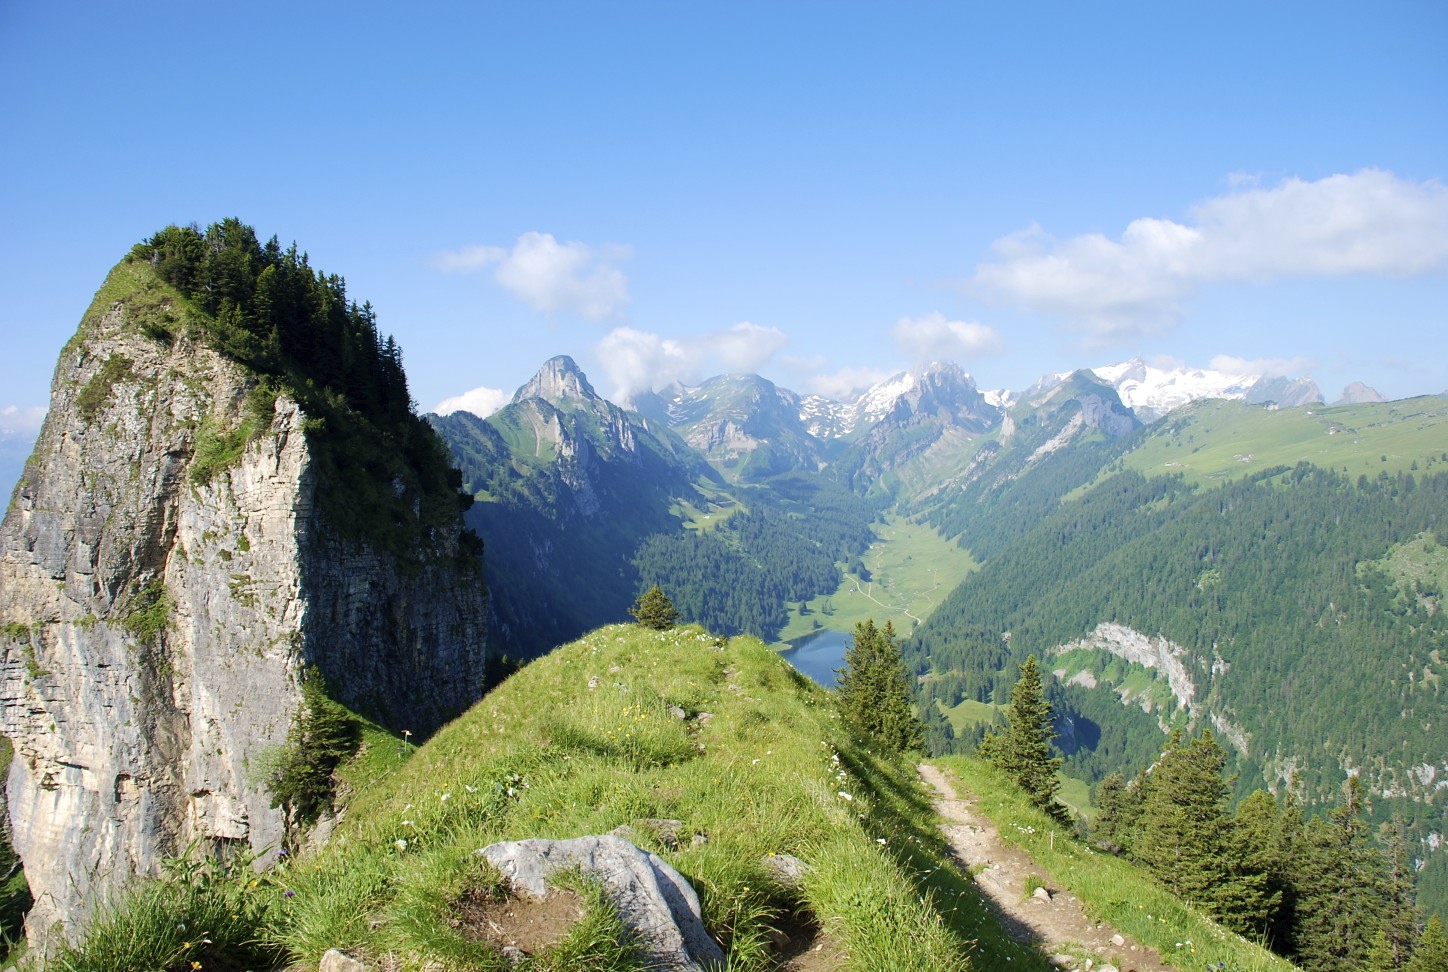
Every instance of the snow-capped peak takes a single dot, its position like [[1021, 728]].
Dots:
[[1144, 386], [1152, 391]]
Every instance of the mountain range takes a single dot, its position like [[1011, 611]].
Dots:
[[1074, 518]]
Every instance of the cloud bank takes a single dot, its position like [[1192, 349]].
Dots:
[[1369, 222], [552, 277], [638, 361], [481, 401], [933, 338], [1262, 367]]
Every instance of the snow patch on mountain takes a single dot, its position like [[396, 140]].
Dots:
[[1147, 388], [1152, 391]]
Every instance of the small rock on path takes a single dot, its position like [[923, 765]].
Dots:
[[1053, 924]]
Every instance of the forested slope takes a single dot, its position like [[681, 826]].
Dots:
[[1316, 657]]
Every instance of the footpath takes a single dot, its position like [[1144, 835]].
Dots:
[[1050, 919]]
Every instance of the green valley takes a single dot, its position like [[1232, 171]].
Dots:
[[909, 570]]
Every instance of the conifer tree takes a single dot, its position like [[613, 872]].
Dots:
[[1340, 891], [873, 693], [654, 610], [323, 734], [1117, 810], [1023, 749], [1187, 840], [1266, 836], [1431, 955], [1400, 914]]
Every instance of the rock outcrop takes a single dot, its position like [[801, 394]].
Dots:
[[653, 899], [160, 606]]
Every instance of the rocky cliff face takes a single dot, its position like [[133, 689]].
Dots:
[[160, 605]]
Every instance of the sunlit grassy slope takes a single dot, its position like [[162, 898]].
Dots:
[[589, 739], [1213, 441], [912, 568], [628, 728]]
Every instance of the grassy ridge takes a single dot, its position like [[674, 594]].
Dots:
[[625, 727], [588, 739]]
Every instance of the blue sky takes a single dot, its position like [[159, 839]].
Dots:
[[824, 193]]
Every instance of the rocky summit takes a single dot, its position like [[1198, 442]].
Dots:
[[168, 570]]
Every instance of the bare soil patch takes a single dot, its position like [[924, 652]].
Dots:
[[1056, 923], [803, 946], [527, 924]]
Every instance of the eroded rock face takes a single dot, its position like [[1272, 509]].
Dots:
[[158, 619]]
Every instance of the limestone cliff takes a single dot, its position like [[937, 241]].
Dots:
[[161, 597]]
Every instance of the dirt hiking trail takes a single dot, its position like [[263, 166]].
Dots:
[[1056, 924]]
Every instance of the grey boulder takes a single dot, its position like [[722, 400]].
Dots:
[[652, 899]]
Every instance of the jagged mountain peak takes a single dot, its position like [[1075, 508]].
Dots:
[[1101, 406], [559, 380], [939, 380], [1358, 393]]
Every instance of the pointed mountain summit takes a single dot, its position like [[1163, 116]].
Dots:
[[1357, 394], [559, 380], [942, 390], [916, 428], [563, 477]]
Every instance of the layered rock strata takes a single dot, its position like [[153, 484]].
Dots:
[[160, 606]]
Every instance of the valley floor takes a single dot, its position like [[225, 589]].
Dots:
[[1058, 925]]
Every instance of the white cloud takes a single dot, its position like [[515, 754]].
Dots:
[[933, 338], [21, 422], [1262, 367], [845, 383], [481, 401], [550, 276], [638, 361], [743, 347], [1369, 222]]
